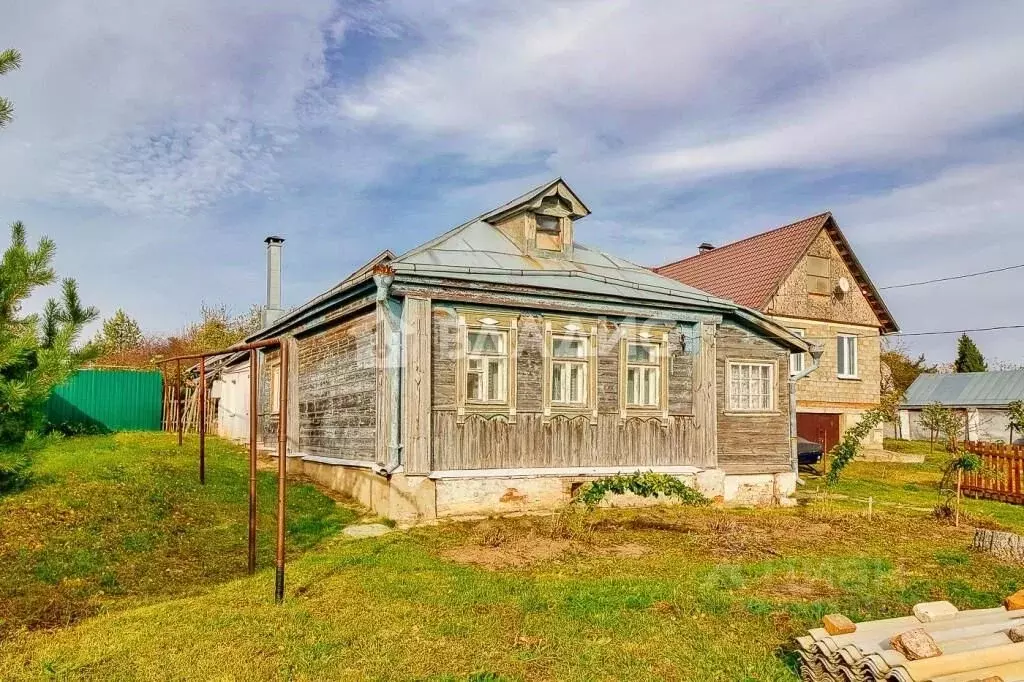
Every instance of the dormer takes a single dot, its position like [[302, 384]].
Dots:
[[541, 221]]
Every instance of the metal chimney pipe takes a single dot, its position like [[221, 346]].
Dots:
[[273, 310]]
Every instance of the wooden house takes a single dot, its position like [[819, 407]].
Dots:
[[502, 364]]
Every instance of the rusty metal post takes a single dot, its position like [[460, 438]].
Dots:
[[202, 420], [282, 469], [253, 425], [178, 411]]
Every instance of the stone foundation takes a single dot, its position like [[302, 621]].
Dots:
[[415, 499]]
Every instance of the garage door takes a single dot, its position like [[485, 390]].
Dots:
[[820, 428]]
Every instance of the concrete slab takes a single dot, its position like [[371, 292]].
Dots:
[[366, 530]]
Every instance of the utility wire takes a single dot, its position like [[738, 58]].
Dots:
[[948, 279], [929, 333]]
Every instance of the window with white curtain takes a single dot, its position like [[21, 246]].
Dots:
[[846, 356], [486, 366], [569, 360], [643, 374], [751, 386]]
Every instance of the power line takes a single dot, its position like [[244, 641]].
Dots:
[[928, 333], [947, 279]]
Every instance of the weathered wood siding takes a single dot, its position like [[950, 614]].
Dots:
[[482, 443], [485, 442], [335, 394], [752, 443]]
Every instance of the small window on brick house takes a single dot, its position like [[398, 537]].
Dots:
[[819, 275]]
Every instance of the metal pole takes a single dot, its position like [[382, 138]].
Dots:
[[253, 425], [180, 418], [202, 420], [282, 470]]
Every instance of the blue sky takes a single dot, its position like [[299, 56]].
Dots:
[[160, 142]]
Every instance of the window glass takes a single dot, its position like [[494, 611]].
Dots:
[[796, 360], [643, 374], [569, 370], [548, 223], [486, 342], [846, 355], [646, 353], [486, 366], [751, 386]]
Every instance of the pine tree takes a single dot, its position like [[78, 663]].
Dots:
[[968, 357], [120, 333], [9, 61], [36, 354]]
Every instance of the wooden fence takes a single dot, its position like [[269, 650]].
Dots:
[[187, 408], [1002, 470]]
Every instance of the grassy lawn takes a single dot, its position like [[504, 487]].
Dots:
[[114, 521], [912, 486], [670, 593]]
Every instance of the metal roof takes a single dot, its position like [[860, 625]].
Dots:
[[970, 389], [479, 252]]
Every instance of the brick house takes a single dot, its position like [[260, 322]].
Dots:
[[498, 366], [806, 277]]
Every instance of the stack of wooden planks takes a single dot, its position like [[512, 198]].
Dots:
[[938, 643]]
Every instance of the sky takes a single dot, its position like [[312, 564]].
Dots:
[[160, 142]]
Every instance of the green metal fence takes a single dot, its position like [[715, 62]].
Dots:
[[108, 400]]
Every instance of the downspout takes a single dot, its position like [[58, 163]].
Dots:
[[392, 366], [816, 351]]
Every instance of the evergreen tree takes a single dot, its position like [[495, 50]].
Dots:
[[9, 61], [120, 333], [36, 354], [968, 357]]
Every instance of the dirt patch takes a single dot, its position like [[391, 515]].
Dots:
[[518, 553], [498, 545], [793, 588]]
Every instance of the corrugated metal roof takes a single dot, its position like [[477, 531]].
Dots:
[[970, 389]]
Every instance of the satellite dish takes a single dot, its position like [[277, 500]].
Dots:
[[844, 285]]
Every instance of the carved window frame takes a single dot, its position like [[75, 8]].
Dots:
[[485, 320], [556, 327], [658, 336]]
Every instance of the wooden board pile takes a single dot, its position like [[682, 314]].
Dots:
[[938, 643]]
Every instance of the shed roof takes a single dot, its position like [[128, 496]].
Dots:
[[970, 389]]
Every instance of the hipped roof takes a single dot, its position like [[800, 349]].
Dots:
[[478, 252]]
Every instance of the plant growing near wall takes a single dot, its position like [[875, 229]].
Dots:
[[642, 484], [851, 443]]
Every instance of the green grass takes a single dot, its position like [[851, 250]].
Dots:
[[117, 519], [670, 593], [912, 486]]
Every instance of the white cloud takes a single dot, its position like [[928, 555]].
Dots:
[[161, 105]]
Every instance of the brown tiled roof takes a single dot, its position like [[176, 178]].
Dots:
[[750, 270]]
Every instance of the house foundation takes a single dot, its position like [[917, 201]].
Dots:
[[466, 494]]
